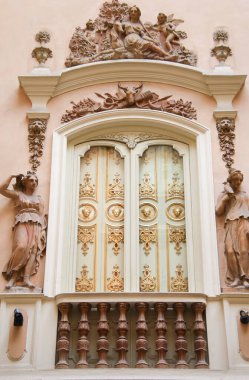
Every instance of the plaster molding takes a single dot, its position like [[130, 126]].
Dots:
[[223, 84]]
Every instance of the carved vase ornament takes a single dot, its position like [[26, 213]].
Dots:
[[29, 236], [119, 33], [42, 53], [233, 204], [130, 97], [221, 51]]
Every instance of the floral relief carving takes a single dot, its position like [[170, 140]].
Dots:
[[176, 188], [225, 127], [127, 97], [116, 282], [36, 137], [221, 51], [179, 283], [87, 189], [86, 235], [177, 235], [131, 140], [115, 236], [116, 188], [118, 33], [84, 283], [147, 282], [147, 236], [146, 188], [42, 53]]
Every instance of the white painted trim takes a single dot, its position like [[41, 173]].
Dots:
[[172, 127]]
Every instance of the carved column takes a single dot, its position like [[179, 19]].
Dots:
[[122, 329], [180, 329], [103, 329], [64, 327], [83, 329], [199, 330], [141, 342], [161, 329], [36, 128]]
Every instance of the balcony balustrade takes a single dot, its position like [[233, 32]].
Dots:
[[131, 334]]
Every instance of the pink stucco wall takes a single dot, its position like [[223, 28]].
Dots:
[[21, 20]]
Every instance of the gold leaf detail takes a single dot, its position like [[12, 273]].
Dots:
[[177, 235], [176, 189], [116, 282], [147, 236], [87, 189], [83, 283], [116, 236], [147, 282], [86, 235], [116, 189], [146, 189], [179, 283]]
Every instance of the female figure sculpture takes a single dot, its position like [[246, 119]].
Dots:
[[233, 203], [29, 239]]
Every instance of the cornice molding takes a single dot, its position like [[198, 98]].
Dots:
[[42, 85]]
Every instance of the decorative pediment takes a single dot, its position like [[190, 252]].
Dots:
[[119, 33]]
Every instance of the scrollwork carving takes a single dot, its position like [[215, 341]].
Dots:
[[41, 53], [179, 283], [147, 236], [86, 235], [147, 282], [221, 51], [146, 188], [87, 189], [116, 282], [127, 97], [115, 236], [176, 188], [116, 188], [36, 137], [84, 283], [177, 235], [226, 127]]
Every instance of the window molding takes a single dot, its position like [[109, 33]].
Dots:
[[171, 126]]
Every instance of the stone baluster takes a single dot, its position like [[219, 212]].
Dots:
[[199, 330], [161, 329], [122, 329], [141, 328], [103, 329], [83, 329], [64, 327], [180, 329]]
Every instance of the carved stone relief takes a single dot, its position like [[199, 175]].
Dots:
[[84, 283], [115, 212], [131, 139], [177, 235], [226, 127], [175, 212], [221, 51], [147, 236], [87, 189], [116, 236], [116, 282], [146, 188], [127, 97], [119, 33], [29, 232], [179, 283], [42, 53], [147, 212], [147, 282], [176, 188], [87, 212], [86, 235], [233, 204], [116, 188], [36, 137]]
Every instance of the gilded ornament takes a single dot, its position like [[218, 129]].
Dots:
[[147, 236], [177, 235], [127, 97], [146, 188], [87, 212], [115, 212], [175, 212], [176, 188], [147, 212], [87, 189], [179, 283], [116, 189], [116, 282], [84, 283], [147, 282], [86, 235], [115, 236]]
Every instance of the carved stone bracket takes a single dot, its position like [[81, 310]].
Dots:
[[226, 127], [128, 97], [36, 137]]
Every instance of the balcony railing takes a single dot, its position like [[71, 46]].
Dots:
[[127, 334]]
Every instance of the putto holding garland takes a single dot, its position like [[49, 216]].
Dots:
[[119, 33]]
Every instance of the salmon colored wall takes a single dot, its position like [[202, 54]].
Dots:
[[21, 20]]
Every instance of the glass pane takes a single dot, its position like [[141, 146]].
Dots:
[[162, 236]]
